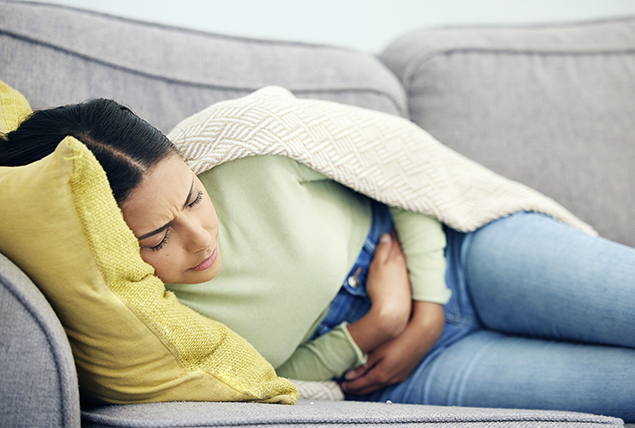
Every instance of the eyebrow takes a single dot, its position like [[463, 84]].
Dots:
[[165, 226]]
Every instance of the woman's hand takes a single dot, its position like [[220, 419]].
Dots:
[[388, 287], [388, 284], [393, 361]]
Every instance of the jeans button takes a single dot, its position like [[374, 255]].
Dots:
[[353, 280]]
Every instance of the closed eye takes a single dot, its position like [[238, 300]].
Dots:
[[199, 198], [162, 243]]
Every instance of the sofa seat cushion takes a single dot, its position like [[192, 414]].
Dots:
[[329, 414]]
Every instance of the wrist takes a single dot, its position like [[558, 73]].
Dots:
[[428, 318], [390, 321], [376, 327]]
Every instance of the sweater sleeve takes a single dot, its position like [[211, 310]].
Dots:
[[423, 243], [325, 358]]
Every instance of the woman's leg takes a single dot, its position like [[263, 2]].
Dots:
[[530, 275], [489, 369]]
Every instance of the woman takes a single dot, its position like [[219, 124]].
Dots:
[[508, 316]]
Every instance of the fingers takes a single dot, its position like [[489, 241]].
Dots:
[[359, 371], [387, 250], [365, 384], [384, 248], [364, 379], [385, 366], [396, 256], [396, 253], [356, 372]]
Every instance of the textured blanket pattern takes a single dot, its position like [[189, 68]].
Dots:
[[385, 157]]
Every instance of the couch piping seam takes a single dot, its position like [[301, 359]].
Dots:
[[179, 29], [415, 66], [115, 422], [540, 26]]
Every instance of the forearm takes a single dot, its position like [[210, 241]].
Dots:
[[425, 326], [388, 288], [379, 325]]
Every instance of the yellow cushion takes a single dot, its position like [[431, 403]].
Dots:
[[132, 340], [14, 108]]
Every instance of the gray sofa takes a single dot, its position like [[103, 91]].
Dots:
[[551, 106]]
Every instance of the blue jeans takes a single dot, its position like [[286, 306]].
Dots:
[[542, 316]]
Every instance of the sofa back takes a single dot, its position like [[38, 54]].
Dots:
[[58, 55], [551, 106]]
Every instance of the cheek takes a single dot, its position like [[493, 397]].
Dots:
[[164, 263]]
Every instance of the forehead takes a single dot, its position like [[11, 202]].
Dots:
[[159, 197]]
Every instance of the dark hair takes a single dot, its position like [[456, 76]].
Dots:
[[125, 145]]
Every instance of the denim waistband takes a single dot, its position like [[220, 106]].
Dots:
[[352, 301]]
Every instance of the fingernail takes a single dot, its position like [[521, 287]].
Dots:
[[385, 238], [349, 375]]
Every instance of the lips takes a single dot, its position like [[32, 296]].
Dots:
[[208, 262]]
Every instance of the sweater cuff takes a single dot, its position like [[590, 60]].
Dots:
[[345, 354], [327, 357]]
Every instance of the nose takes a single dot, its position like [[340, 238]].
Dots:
[[198, 237]]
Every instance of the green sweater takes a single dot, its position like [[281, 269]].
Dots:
[[288, 238]]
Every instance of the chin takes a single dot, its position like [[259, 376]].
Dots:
[[200, 279]]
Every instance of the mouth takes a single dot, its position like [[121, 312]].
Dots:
[[208, 262]]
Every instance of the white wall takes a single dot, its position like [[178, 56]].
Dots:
[[367, 25]]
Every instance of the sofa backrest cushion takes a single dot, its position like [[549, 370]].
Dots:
[[550, 106], [59, 55]]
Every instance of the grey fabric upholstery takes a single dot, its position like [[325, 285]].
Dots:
[[56, 55], [59, 55], [38, 382], [329, 414], [550, 106]]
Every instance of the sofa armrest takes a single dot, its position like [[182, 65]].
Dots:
[[38, 382]]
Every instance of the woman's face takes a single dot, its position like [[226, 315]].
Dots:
[[173, 217]]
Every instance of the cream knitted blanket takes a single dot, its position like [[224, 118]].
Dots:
[[382, 156]]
